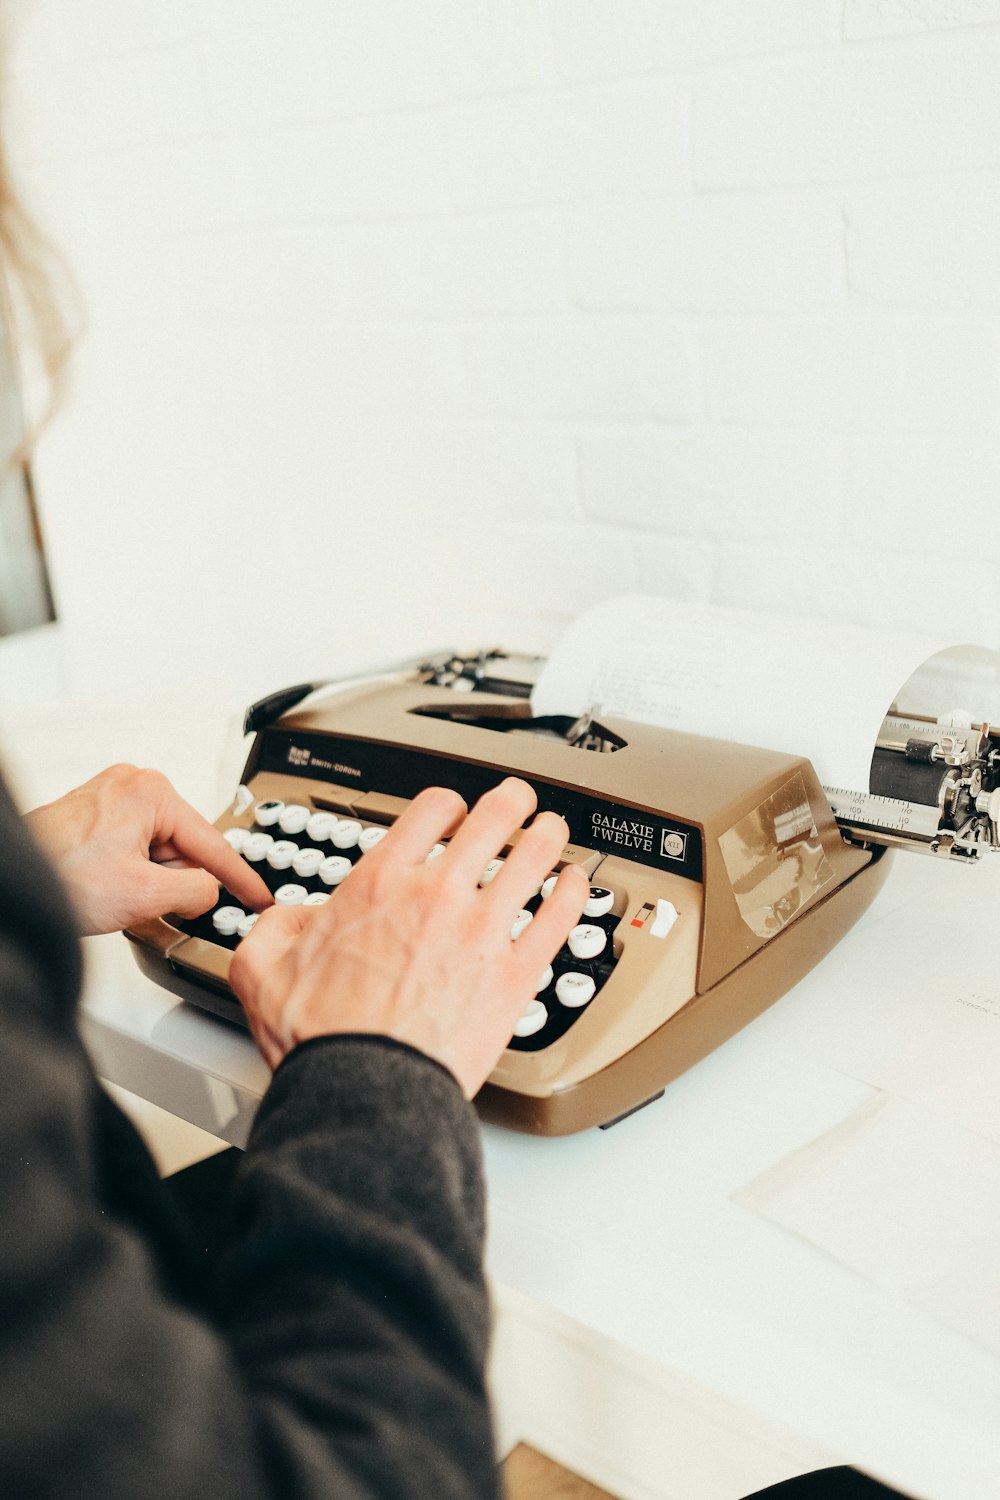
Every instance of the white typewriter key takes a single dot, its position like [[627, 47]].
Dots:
[[290, 895], [346, 834], [333, 870], [256, 847], [294, 818], [320, 826], [435, 853], [268, 813], [491, 872], [369, 837], [318, 898], [545, 980], [242, 800], [520, 922], [247, 925], [548, 886], [586, 941], [666, 916], [227, 919], [281, 854], [600, 903], [574, 990], [307, 861], [531, 1020], [236, 838]]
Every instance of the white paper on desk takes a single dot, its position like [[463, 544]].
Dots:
[[906, 1197], [954, 1060], [911, 1000], [806, 687]]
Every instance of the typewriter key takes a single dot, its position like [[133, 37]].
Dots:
[[293, 818], [333, 870], [242, 800], [545, 980], [320, 826], [532, 1020], [307, 861], [290, 895], [236, 838], [574, 990], [491, 872], [318, 898], [226, 919], [268, 813], [281, 854], [600, 903], [256, 847], [346, 834], [548, 886], [586, 941], [369, 837], [520, 922], [247, 925]]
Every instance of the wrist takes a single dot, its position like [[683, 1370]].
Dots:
[[373, 1040]]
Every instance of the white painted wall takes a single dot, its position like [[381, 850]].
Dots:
[[410, 319]]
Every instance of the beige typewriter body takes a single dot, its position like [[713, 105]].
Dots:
[[730, 875]]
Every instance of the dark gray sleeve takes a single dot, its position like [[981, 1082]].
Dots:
[[353, 1287], [341, 1354]]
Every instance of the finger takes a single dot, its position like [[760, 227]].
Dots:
[[434, 814], [192, 837], [266, 945], [186, 892], [542, 938], [532, 858], [167, 853], [269, 940], [170, 861], [496, 815]]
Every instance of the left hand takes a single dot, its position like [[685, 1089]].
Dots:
[[128, 847]]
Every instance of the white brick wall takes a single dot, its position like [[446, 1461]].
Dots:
[[839, 114], [409, 320]]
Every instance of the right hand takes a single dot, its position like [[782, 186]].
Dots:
[[416, 950]]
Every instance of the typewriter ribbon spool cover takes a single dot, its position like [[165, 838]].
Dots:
[[733, 784]]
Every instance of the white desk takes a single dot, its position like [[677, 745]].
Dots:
[[626, 1242], [632, 1234]]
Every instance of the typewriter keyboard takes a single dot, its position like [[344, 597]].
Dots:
[[303, 856]]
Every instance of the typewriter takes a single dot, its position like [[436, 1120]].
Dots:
[[720, 874]]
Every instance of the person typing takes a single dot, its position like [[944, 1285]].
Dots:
[[333, 1341], [336, 1344]]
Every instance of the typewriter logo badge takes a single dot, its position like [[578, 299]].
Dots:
[[297, 756], [612, 829], [673, 845]]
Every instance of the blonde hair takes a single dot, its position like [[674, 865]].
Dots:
[[39, 297]]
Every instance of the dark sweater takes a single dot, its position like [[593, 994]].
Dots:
[[335, 1347]]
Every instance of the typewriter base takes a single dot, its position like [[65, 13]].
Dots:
[[702, 1025], [639, 1077], [155, 966]]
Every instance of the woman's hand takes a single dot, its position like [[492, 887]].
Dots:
[[128, 847], [416, 950]]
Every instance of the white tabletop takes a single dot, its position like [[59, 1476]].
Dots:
[[633, 1233]]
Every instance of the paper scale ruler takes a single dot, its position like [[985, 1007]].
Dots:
[[858, 811]]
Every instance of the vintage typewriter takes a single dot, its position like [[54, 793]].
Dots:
[[720, 874]]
